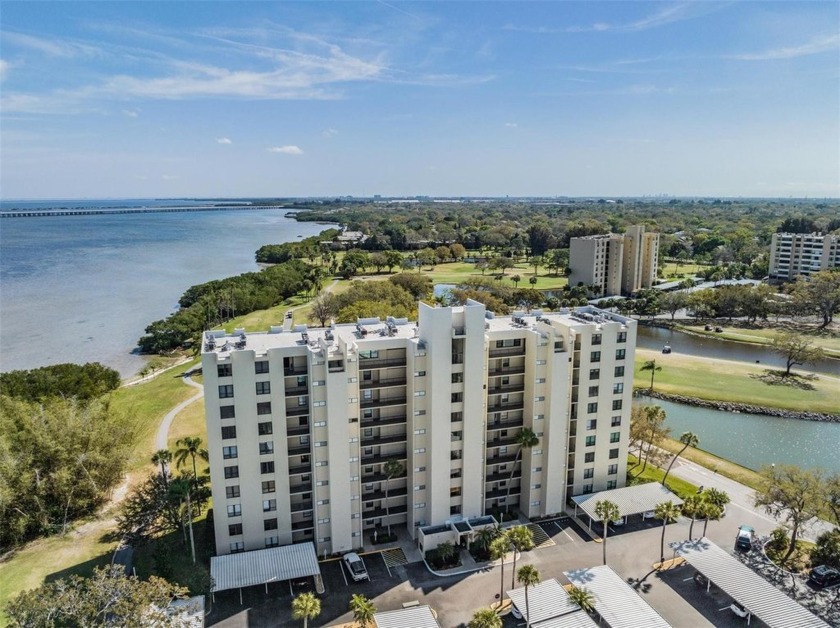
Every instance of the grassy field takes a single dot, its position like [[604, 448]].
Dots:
[[655, 474], [830, 343], [719, 380], [670, 271], [728, 469]]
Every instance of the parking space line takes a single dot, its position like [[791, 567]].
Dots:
[[340, 566], [386, 565]]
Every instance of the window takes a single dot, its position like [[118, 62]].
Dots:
[[592, 424], [618, 389], [234, 510], [596, 339], [455, 491], [593, 391], [267, 467], [588, 473], [591, 408], [594, 373], [420, 374], [261, 367], [231, 472], [228, 432], [422, 430], [622, 336], [226, 391], [590, 441], [457, 396], [265, 429], [457, 416], [455, 473], [227, 412], [235, 529], [229, 452], [589, 456], [611, 484], [540, 398], [237, 547], [620, 353], [613, 454], [617, 403], [419, 413], [619, 371], [615, 437], [587, 488], [615, 421], [595, 356], [263, 388], [419, 393], [267, 448], [268, 487], [457, 435], [303, 400], [224, 370], [269, 505], [232, 491], [269, 524], [457, 378], [318, 404], [612, 469], [264, 407]]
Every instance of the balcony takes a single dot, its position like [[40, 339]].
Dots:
[[300, 469], [305, 487], [500, 459], [303, 525], [383, 421], [502, 492], [505, 425], [370, 441], [370, 478], [296, 391], [375, 363], [511, 405], [295, 370], [381, 513], [504, 352], [297, 411], [301, 507], [508, 388], [502, 442], [300, 450], [380, 403], [502, 476], [380, 495], [382, 383], [298, 430], [506, 370], [377, 458]]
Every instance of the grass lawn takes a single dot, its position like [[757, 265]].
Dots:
[[728, 469], [670, 270], [721, 380], [655, 474], [190, 422], [829, 342]]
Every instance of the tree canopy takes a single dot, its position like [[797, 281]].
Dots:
[[82, 381]]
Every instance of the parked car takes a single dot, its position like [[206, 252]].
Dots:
[[517, 614], [824, 577], [739, 610], [744, 539], [649, 514], [356, 567]]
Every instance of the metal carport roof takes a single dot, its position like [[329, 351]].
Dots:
[[631, 500], [275, 564], [745, 586], [546, 600], [615, 600], [578, 619], [416, 617]]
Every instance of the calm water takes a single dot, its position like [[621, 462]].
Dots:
[[83, 288], [753, 440]]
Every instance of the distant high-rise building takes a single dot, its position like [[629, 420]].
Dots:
[[615, 263], [794, 254], [302, 424]]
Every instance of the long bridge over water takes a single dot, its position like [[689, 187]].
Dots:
[[92, 211]]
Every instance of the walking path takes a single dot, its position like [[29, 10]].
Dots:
[[162, 438]]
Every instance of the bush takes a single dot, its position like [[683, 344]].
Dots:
[[827, 550], [444, 558]]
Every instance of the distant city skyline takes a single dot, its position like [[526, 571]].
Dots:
[[484, 99]]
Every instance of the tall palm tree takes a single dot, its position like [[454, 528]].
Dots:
[[162, 457], [665, 511], [499, 549], [654, 418], [526, 439], [651, 366], [522, 539], [363, 610], [711, 512], [306, 606], [180, 489], [693, 506], [485, 618], [607, 512], [392, 469], [485, 536], [190, 447], [528, 576], [688, 439], [582, 597]]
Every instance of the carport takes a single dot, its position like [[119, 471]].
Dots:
[[275, 564], [550, 606], [631, 500], [616, 601], [746, 587], [416, 616]]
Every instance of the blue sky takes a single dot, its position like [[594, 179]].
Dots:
[[144, 99]]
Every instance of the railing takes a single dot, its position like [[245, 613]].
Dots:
[[300, 488], [501, 442], [390, 401], [376, 458], [295, 370], [381, 513], [383, 440], [504, 425], [394, 381], [506, 370], [300, 469], [301, 506], [380, 495], [502, 477], [300, 450], [383, 421], [376, 363], [500, 459], [297, 411], [506, 388], [502, 492], [503, 352], [302, 525], [514, 405], [297, 430], [297, 390]]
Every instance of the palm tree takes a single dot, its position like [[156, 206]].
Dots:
[[688, 439], [162, 457], [516, 279], [522, 539], [392, 469], [665, 511], [363, 610], [582, 597], [446, 551], [711, 511], [526, 439], [498, 549], [607, 512], [693, 506], [485, 618], [190, 447], [180, 489], [485, 536], [306, 606], [651, 366], [717, 497], [528, 576]]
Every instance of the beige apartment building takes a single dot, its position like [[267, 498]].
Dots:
[[794, 254], [302, 423], [615, 263]]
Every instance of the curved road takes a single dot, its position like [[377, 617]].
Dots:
[[162, 438]]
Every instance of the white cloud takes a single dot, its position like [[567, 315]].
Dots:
[[816, 46], [223, 140], [286, 150], [5, 66], [131, 113], [329, 132], [50, 47], [511, 125]]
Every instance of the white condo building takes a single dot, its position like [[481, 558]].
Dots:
[[301, 423], [794, 254], [615, 263]]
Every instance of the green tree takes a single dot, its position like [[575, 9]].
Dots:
[[522, 540], [498, 550], [796, 349], [694, 506], [673, 302], [162, 457], [83, 382], [819, 293], [526, 439], [791, 493], [378, 261], [363, 610], [190, 447], [653, 418], [528, 576], [324, 307], [446, 552], [827, 549], [582, 597], [711, 512], [688, 439], [306, 606], [516, 279], [457, 251], [651, 366], [666, 511], [716, 496], [107, 598], [392, 469], [180, 489], [485, 618], [393, 258], [607, 512]]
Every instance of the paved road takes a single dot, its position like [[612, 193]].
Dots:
[[162, 437]]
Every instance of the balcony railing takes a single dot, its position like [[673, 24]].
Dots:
[[296, 391], [297, 411], [502, 492], [500, 459], [504, 476], [390, 401], [496, 390], [501, 442], [301, 507], [300, 488], [300, 450], [381, 383], [303, 525], [505, 425], [376, 363], [377, 513], [383, 440], [501, 407], [383, 421], [380, 495], [376, 458], [506, 370], [297, 430], [300, 469], [503, 352], [295, 370]]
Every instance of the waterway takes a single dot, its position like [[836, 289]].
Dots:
[[753, 440]]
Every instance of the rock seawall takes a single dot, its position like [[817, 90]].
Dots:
[[730, 406]]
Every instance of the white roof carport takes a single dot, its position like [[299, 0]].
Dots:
[[746, 587], [416, 617], [546, 600], [631, 500], [275, 564], [616, 602]]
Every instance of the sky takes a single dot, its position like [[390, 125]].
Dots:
[[132, 99]]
